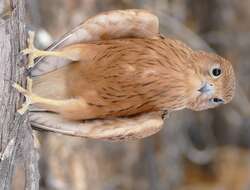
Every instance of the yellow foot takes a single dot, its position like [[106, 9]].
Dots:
[[34, 53], [31, 50], [28, 95]]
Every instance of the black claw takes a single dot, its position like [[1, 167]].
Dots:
[[28, 71], [20, 57]]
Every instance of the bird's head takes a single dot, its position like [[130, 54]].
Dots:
[[212, 81]]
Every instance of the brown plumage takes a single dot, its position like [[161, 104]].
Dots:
[[124, 77]]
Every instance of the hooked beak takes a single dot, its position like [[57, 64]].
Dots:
[[206, 88]]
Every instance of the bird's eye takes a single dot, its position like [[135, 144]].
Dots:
[[215, 71], [216, 100]]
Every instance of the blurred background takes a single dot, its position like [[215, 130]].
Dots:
[[206, 150]]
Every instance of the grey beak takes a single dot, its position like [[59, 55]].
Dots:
[[206, 88]]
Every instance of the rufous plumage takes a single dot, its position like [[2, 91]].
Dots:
[[128, 76]]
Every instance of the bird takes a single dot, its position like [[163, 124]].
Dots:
[[123, 77]]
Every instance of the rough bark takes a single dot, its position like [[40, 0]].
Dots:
[[16, 140]]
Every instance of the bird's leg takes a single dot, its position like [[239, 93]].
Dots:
[[50, 104], [30, 97], [68, 53], [26, 93]]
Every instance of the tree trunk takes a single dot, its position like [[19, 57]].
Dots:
[[16, 141]]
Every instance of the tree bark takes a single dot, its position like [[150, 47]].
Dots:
[[16, 140]]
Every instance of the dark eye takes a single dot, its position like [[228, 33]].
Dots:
[[217, 100], [215, 72]]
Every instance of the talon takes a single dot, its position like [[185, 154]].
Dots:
[[19, 88], [31, 50], [28, 51], [33, 54], [27, 71], [27, 93], [24, 108], [31, 38]]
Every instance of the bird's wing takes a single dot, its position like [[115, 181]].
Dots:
[[108, 25], [112, 25], [116, 129]]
